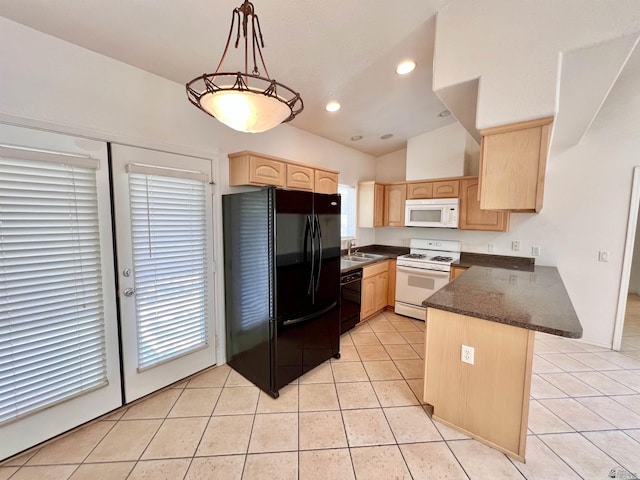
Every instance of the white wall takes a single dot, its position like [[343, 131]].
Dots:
[[391, 167], [437, 154], [515, 48], [586, 208]]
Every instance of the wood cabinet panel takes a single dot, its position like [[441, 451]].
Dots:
[[325, 182], [375, 288], [395, 197], [391, 297], [264, 171], [378, 203], [498, 382], [446, 189], [382, 290], [299, 177], [251, 168], [419, 190], [370, 204], [456, 272], [472, 217], [368, 297], [512, 165]]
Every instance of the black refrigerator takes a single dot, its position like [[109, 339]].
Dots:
[[282, 283]]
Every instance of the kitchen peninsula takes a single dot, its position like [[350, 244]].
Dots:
[[484, 391]]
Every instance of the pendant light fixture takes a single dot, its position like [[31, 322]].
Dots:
[[247, 102]]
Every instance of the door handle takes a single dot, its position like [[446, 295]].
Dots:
[[319, 231], [310, 229], [128, 292]]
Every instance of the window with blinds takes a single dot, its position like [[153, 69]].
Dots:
[[52, 340], [168, 221]]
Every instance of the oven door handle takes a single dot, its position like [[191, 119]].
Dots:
[[414, 270]]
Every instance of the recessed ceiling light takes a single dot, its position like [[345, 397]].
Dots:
[[444, 113], [386, 136], [405, 67], [332, 107], [355, 138]]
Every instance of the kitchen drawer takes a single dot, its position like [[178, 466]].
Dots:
[[375, 269]]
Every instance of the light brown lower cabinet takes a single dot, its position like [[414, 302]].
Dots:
[[375, 289], [488, 400]]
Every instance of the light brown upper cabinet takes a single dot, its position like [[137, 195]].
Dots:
[[395, 196], [419, 190], [513, 159], [251, 168], [472, 217], [370, 204], [299, 177], [247, 168], [326, 181], [446, 189]]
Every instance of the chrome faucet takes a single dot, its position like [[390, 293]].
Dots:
[[352, 243]]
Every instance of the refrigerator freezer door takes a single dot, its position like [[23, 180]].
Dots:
[[327, 214]]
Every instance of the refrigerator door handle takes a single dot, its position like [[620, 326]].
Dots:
[[319, 232], [310, 232], [311, 316]]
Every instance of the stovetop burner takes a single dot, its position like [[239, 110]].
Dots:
[[415, 255], [440, 258]]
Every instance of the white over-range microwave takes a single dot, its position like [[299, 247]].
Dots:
[[434, 213]]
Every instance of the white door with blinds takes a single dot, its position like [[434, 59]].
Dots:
[[59, 363], [163, 210]]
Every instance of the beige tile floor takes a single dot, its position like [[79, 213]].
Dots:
[[360, 417]]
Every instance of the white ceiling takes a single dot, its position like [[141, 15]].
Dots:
[[327, 50]]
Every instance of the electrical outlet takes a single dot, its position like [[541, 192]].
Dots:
[[467, 354], [515, 245], [490, 248], [603, 256], [535, 250]]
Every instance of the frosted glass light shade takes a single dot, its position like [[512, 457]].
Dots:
[[245, 111]]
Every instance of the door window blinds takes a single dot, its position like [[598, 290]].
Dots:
[[52, 343], [169, 234]]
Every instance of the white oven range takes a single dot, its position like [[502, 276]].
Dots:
[[422, 272]]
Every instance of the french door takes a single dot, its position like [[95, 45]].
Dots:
[[163, 211], [59, 363]]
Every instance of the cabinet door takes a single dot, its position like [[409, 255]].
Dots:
[[472, 217], [446, 189], [395, 197], [382, 291], [391, 292], [419, 190], [326, 182], [368, 297], [299, 177], [512, 166], [378, 209], [263, 171]]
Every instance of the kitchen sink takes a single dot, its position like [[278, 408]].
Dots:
[[361, 257], [355, 258]]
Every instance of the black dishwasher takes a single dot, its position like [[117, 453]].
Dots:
[[351, 296]]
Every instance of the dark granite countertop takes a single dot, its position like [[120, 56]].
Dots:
[[535, 300], [468, 259], [386, 251]]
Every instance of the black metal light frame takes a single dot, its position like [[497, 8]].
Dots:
[[210, 83]]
